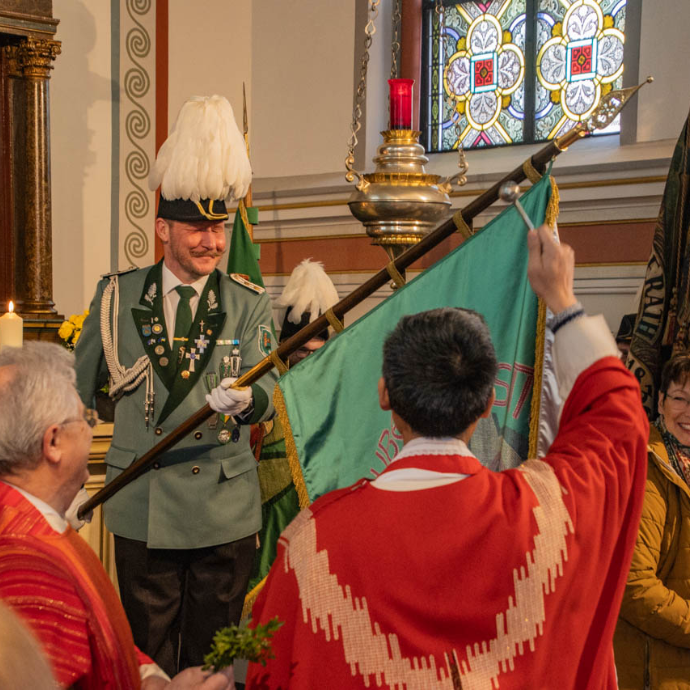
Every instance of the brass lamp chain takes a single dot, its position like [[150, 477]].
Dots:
[[395, 43], [369, 31], [438, 8]]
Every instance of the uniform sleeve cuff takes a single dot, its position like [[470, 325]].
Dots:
[[260, 404], [577, 345], [152, 671]]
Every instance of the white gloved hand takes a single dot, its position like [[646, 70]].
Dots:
[[71, 513], [230, 401]]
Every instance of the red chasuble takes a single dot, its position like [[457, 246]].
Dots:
[[57, 584], [508, 580]]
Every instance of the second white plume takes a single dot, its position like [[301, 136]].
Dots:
[[309, 289]]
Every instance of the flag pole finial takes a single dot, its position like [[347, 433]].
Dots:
[[602, 116]]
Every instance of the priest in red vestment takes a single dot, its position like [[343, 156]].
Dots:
[[440, 573], [48, 573]]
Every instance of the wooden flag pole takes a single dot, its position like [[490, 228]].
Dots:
[[538, 162], [247, 201]]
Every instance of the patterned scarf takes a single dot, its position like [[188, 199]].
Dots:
[[678, 454]]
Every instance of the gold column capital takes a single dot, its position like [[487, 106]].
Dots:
[[12, 56], [35, 57]]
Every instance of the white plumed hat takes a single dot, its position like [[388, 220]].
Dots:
[[204, 157]]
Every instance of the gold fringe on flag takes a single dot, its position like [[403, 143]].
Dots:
[[536, 384], [291, 449], [550, 219], [250, 598], [243, 214], [553, 209]]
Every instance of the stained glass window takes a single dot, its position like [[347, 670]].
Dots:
[[579, 59], [516, 71]]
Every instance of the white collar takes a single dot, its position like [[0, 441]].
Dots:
[[53, 518], [171, 281], [416, 479], [424, 445]]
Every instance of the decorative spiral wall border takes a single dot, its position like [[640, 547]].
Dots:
[[138, 149]]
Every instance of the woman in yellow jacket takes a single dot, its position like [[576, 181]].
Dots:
[[652, 640]]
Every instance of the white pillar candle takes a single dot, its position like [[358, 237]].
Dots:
[[11, 329]]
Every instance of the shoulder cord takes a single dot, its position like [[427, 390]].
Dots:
[[122, 380]]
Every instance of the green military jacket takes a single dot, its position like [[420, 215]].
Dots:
[[201, 492]]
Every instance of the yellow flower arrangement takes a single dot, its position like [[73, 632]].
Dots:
[[71, 329]]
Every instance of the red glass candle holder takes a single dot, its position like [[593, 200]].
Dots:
[[400, 97]]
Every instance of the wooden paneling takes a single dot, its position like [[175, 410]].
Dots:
[[95, 532], [605, 243]]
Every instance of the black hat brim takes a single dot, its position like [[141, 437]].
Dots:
[[188, 211]]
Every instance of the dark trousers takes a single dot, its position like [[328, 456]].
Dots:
[[176, 599]]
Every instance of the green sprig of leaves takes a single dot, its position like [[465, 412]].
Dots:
[[253, 644]]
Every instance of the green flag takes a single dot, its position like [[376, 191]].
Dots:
[[243, 256], [335, 429]]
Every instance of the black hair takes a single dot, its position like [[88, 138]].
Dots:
[[439, 367], [676, 370]]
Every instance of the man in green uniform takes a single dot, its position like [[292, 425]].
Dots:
[[166, 335]]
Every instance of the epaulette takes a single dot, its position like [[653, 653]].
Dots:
[[119, 273], [244, 281]]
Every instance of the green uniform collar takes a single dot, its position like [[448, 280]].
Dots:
[[181, 375]]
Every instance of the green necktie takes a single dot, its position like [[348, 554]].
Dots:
[[183, 319]]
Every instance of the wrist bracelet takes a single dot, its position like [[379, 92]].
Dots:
[[245, 415], [574, 311]]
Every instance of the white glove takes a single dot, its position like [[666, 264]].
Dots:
[[71, 513], [230, 401]]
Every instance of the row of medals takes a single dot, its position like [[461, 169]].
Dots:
[[156, 329], [229, 367]]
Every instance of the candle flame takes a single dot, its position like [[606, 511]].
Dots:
[[11, 306]]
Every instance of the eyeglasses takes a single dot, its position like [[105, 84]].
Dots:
[[90, 417], [678, 402]]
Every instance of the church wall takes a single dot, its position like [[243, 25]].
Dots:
[[81, 143], [663, 53], [302, 75], [210, 52], [300, 64]]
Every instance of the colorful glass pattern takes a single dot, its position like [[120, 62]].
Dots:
[[481, 88], [481, 61], [579, 59]]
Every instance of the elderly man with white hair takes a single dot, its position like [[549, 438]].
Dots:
[[48, 574]]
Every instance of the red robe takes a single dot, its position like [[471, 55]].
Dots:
[[57, 585], [512, 579]]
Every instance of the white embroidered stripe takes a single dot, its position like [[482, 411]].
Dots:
[[415, 479], [331, 609]]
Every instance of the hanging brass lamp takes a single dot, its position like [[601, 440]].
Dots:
[[399, 203]]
